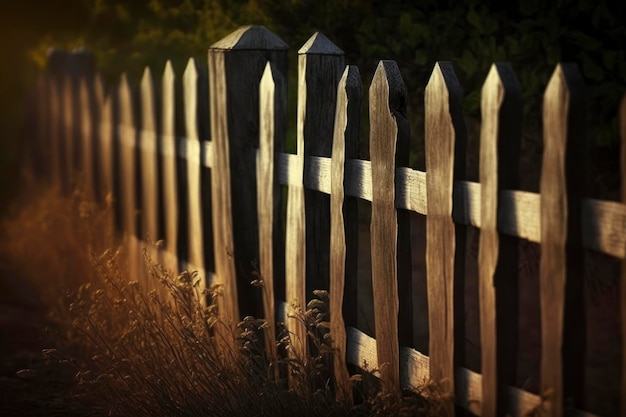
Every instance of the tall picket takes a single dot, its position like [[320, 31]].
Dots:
[[272, 129], [387, 100], [128, 193], [344, 226], [195, 258], [443, 120], [499, 149], [169, 190]]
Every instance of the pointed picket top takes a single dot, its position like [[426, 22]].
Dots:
[[387, 106], [190, 93], [318, 44], [251, 37], [147, 101], [168, 99], [388, 82], [125, 102]]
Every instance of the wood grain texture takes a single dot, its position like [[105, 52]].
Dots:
[[441, 102], [501, 108], [560, 226], [272, 105], [323, 67], [245, 54], [195, 245], [361, 351], [149, 170], [295, 233], [518, 210], [344, 227], [622, 130], [387, 100]]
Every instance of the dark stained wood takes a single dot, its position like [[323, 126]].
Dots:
[[387, 98], [344, 227], [323, 67], [444, 141], [500, 138], [562, 305], [273, 103], [240, 60]]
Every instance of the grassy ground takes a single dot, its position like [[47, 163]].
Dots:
[[84, 339]]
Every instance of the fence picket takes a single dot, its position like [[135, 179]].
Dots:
[[387, 98], [195, 248], [500, 139], [443, 116], [272, 105], [149, 172], [169, 190], [106, 153], [344, 226], [560, 230], [87, 112], [128, 194]]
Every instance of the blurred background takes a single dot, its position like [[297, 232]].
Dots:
[[533, 35]]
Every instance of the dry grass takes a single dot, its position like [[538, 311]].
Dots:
[[123, 350]]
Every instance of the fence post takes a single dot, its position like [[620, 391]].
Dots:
[[562, 176], [169, 190], [500, 137], [388, 131], [320, 65], [236, 64], [344, 226], [445, 162]]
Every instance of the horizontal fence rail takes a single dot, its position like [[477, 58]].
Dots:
[[233, 205]]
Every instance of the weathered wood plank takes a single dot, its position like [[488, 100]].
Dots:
[[195, 245], [344, 227], [272, 128], [387, 100], [87, 112], [323, 66], [128, 194], [501, 107], [243, 56], [622, 124], [170, 189], [441, 101], [361, 351], [149, 170], [56, 109], [68, 168], [441, 90], [560, 227]]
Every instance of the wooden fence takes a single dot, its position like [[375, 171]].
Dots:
[[215, 196]]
